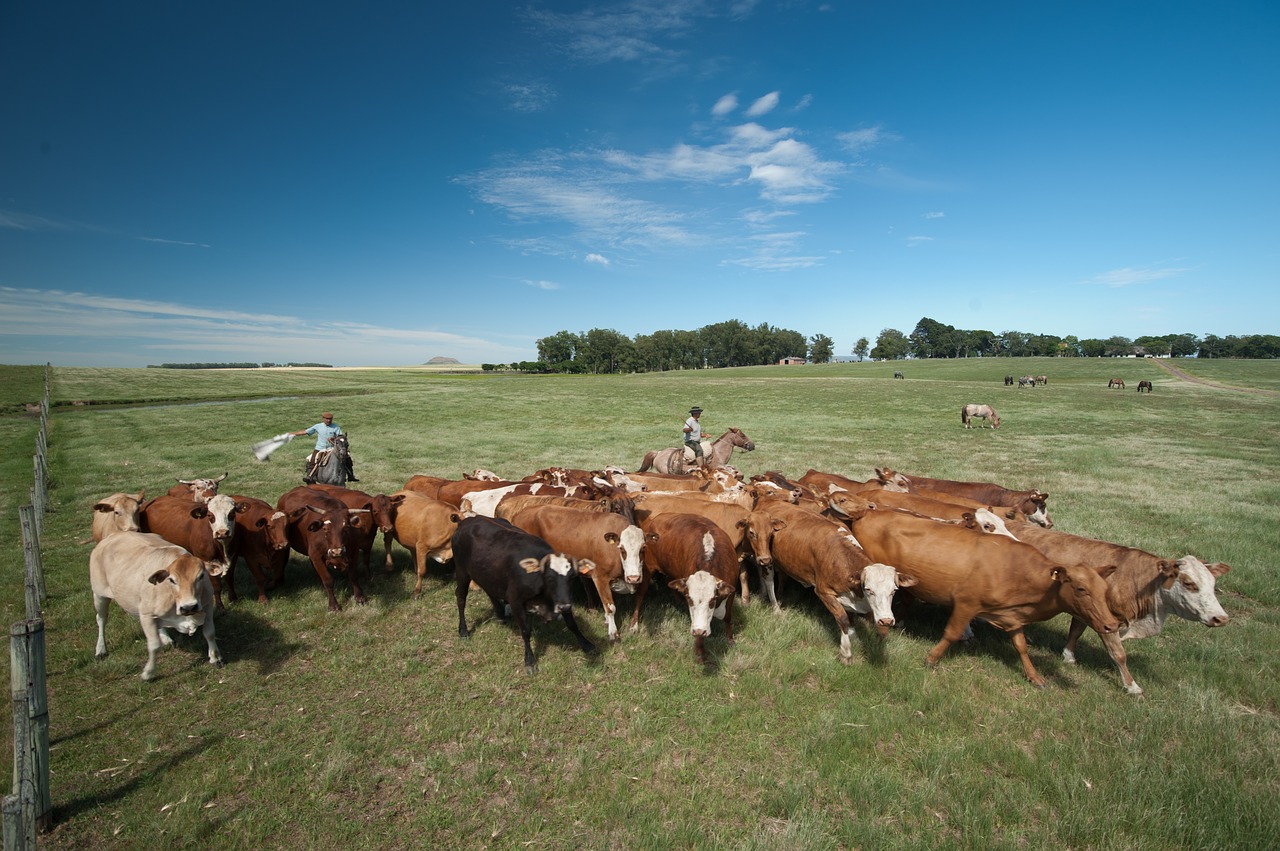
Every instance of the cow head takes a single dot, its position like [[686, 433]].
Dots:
[[200, 490], [1193, 594], [630, 546], [849, 504], [277, 530], [1036, 510], [119, 512], [1083, 592], [987, 520], [557, 569], [220, 511], [760, 530], [892, 480], [181, 583], [877, 583], [706, 596]]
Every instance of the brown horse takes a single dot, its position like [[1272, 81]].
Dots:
[[984, 412], [717, 454], [1144, 385], [1116, 382]]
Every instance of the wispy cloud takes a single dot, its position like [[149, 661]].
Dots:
[[763, 105], [83, 326], [1127, 277], [859, 142], [598, 258], [25, 221], [724, 106], [172, 242], [543, 285], [935, 215], [913, 241], [650, 31], [531, 96]]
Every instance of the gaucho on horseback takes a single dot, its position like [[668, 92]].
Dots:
[[326, 433]]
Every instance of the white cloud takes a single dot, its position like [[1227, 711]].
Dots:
[[636, 31], [1125, 277], [913, 241], [858, 142], [763, 105], [935, 215], [598, 258], [542, 285], [724, 106], [532, 96]]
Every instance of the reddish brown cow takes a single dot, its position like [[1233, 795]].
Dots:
[[454, 492], [116, 513], [1007, 583], [206, 530], [1140, 593], [262, 540], [318, 529], [423, 526], [610, 542], [379, 507], [821, 554], [700, 564], [196, 490], [426, 485], [1031, 503]]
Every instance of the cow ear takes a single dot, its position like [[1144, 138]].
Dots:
[[158, 577], [103, 508], [455, 518], [1059, 574], [396, 499], [906, 580], [1218, 568], [723, 589], [741, 524], [215, 568], [262, 522], [586, 566], [200, 511], [1106, 570], [531, 565], [611, 537], [651, 538], [1168, 572], [778, 524], [680, 585], [969, 522]]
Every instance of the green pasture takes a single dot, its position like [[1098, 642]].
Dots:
[[378, 727]]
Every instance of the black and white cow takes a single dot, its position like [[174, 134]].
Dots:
[[519, 570]]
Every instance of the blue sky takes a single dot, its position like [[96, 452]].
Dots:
[[380, 184]]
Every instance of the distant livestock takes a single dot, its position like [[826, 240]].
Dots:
[[984, 412], [1144, 385], [1117, 383]]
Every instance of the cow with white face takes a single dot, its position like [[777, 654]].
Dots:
[[160, 583]]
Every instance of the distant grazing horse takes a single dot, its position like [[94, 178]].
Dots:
[[1008, 380], [987, 413], [1026, 381], [898, 375], [1144, 385], [330, 467], [1042, 379], [717, 454], [1116, 382]]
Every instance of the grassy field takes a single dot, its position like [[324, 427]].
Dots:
[[379, 728]]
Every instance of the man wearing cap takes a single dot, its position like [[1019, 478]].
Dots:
[[693, 435], [325, 431]]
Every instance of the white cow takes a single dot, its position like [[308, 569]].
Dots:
[[116, 513], [160, 583]]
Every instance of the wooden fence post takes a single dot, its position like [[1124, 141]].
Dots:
[[15, 833], [35, 589], [31, 704]]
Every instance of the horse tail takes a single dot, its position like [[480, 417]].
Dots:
[[647, 462], [964, 414]]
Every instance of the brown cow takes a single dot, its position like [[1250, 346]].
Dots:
[[318, 529], [1031, 503], [379, 507], [423, 526], [700, 564], [206, 530], [196, 490], [426, 485], [262, 540], [1007, 583], [116, 513], [1142, 590], [821, 554], [610, 542]]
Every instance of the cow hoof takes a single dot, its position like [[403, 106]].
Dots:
[[1041, 684], [101, 655], [1134, 689]]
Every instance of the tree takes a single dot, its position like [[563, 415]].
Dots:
[[860, 349], [1183, 345], [821, 349], [892, 344], [1118, 347], [1093, 348], [560, 349]]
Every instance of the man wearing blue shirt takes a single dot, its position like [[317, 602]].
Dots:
[[325, 431]]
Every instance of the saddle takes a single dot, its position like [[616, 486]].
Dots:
[[317, 459], [690, 458]]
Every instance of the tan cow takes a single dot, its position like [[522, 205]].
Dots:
[[160, 583], [116, 513], [821, 554], [614, 545], [1007, 583], [423, 526], [1142, 591], [1031, 503]]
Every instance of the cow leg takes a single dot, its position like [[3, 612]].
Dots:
[[216, 582], [1073, 637], [831, 601], [742, 581], [700, 649], [326, 581], [766, 585], [100, 607], [641, 590], [386, 543], [215, 657], [155, 637], [461, 586], [601, 585], [1020, 644], [420, 563], [954, 630], [353, 575], [572, 623], [526, 633], [728, 618], [1116, 648]]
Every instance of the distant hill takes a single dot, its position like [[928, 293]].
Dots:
[[443, 360]]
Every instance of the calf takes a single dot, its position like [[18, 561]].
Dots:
[[517, 569], [116, 513], [262, 540], [1142, 591], [318, 529], [699, 562], [161, 584], [821, 554], [612, 544], [206, 530], [423, 526], [1007, 583], [1031, 503]]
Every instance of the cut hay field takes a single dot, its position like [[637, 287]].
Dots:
[[378, 727]]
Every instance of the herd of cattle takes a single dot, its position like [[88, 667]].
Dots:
[[984, 551]]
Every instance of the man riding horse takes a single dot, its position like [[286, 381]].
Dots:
[[325, 431]]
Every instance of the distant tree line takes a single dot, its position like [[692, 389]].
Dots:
[[263, 365], [932, 339]]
